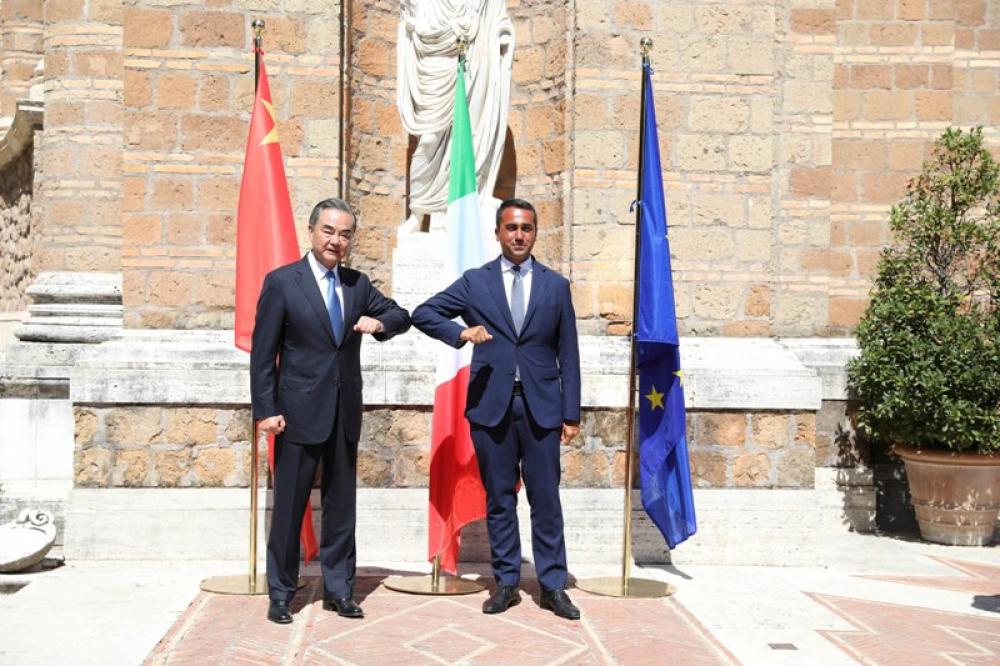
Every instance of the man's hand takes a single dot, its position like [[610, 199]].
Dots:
[[272, 425], [569, 431], [369, 325], [477, 335]]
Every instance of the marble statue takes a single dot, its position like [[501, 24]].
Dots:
[[25, 542], [427, 60]]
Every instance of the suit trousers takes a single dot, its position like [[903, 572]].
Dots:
[[294, 473], [518, 446]]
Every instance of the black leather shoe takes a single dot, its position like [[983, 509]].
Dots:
[[558, 602], [504, 597], [343, 607], [278, 612]]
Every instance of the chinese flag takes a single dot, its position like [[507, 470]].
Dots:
[[265, 238]]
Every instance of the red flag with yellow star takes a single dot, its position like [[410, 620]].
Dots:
[[265, 237]]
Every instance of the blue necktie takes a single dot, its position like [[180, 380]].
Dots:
[[333, 307], [517, 299]]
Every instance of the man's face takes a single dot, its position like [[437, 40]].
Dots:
[[331, 236], [516, 234]]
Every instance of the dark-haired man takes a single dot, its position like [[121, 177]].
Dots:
[[311, 316], [523, 399]]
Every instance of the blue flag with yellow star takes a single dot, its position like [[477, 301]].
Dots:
[[664, 471]]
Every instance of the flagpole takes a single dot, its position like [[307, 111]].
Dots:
[[435, 583], [250, 584], [626, 585]]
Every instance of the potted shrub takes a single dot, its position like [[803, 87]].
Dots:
[[928, 373]]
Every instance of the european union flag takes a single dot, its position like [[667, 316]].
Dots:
[[664, 472]]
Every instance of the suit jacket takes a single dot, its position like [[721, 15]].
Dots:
[[546, 351], [315, 379]]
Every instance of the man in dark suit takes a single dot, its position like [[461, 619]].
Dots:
[[523, 399], [305, 382]]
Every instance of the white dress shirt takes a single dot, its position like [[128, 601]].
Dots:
[[508, 278], [319, 272]]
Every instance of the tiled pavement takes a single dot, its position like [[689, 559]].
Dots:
[[404, 629], [873, 600], [893, 634]]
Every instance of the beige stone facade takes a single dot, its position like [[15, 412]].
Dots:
[[207, 447], [787, 129]]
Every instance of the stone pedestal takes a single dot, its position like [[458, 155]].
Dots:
[[69, 313]]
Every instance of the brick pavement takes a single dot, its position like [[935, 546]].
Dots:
[[894, 634], [405, 629], [983, 579]]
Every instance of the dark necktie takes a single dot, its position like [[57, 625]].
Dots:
[[333, 307]]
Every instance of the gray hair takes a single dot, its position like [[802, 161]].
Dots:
[[332, 203]]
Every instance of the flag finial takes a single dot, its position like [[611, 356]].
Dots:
[[463, 45], [258, 28], [645, 45]]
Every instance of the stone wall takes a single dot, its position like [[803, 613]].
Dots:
[[188, 89], [16, 272], [787, 128], [904, 71], [21, 47], [208, 446], [165, 447], [79, 228]]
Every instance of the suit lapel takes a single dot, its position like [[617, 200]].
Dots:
[[350, 292], [539, 281], [494, 280], [310, 289]]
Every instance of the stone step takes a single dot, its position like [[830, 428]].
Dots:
[[736, 526]]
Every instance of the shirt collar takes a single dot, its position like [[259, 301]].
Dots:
[[526, 265], [319, 270]]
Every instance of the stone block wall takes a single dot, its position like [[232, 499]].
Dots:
[[16, 271], [80, 152], [164, 447], [904, 71], [721, 108], [787, 128], [187, 92], [208, 446], [21, 48]]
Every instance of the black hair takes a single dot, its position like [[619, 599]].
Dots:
[[516, 203]]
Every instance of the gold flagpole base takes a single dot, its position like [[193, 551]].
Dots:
[[443, 586], [636, 588], [235, 584], [238, 584]]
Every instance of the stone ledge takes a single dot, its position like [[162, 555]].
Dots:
[[828, 357], [736, 527], [203, 367]]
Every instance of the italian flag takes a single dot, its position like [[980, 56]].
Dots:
[[457, 496]]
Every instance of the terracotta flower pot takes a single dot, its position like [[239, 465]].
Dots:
[[956, 495]]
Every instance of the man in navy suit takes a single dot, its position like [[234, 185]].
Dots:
[[305, 383], [523, 399]]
